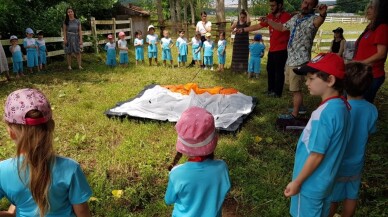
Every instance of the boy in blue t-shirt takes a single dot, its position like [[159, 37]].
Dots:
[[256, 50], [17, 57], [363, 115], [322, 143]]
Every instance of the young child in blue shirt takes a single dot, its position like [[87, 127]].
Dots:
[[31, 47], [39, 186], [256, 50], [363, 120], [123, 53], [181, 44], [196, 44], [199, 186], [322, 143], [208, 47], [42, 50], [221, 52], [110, 48], [166, 44], [17, 57], [139, 47], [152, 41]]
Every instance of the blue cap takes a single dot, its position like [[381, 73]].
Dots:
[[29, 31], [257, 37]]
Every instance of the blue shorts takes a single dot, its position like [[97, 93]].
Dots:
[[346, 188], [42, 58], [111, 61], [152, 55], [182, 58], [208, 60], [32, 58], [196, 56], [139, 53], [221, 59], [254, 65], [166, 54], [17, 67], [124, 58], [302, 206]]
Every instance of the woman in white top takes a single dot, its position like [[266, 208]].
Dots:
[[203, 27]]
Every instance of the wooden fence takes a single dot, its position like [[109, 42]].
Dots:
[[94, 35]]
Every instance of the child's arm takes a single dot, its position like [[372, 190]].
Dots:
[[10, 213], [171, 44], [311, 164], [82, 210]]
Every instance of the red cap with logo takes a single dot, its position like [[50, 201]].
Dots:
[[329, 63]]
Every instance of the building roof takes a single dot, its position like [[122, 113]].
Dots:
[[133, 10]]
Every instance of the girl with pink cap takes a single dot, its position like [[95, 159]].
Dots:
[[122, 45], [199, 186], [37, 181]]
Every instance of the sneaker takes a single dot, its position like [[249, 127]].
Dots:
[[288, 116], [205, 68], [211, 69], [249, 75], [69, 68], [302, 110]]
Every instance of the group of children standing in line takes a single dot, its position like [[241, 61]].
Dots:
[[36, 52], [166, 43]]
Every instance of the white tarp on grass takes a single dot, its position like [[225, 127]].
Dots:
[[160, 103]]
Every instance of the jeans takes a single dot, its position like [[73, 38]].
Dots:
[[375, 86]]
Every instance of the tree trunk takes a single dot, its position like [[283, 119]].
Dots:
[[192, 12], [173, 14], [160, 12], [178, 10], [185, 11], [220, 14], [244, 5]]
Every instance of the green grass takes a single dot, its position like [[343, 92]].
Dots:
[[132, 155]]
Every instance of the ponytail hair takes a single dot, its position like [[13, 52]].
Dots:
[[35, 144]]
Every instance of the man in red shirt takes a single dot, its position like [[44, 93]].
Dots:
[[277, 54]]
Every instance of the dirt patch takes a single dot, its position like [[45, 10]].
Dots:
[[230, 208]]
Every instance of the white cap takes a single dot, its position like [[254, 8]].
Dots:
[[29, 31], [150, 26], [13, 37]]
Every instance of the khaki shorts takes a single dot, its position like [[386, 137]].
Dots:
[[293, 80]]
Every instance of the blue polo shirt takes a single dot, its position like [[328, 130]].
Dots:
[[326, 133], [198, 189], [69, 186]]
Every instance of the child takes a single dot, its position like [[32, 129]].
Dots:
[[363, 118], [122, 45], [256, 50], [31, 47], [322, 143], [196, 48], [166, 44], [152, 40], [42, 50], [17, 56], [208, 47], [37, 181], [110, 48], [221, 52], [139, 46], [181, 44], [3, 62], [199, 186]]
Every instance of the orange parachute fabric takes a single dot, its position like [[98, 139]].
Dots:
[[185, 89]]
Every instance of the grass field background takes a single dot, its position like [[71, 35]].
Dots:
[[132, 155]]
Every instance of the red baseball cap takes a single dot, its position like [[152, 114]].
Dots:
[[329, 63]]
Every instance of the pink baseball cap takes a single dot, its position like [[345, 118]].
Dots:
[[121, 34], [196, 133], [20, 102], [110, 36]]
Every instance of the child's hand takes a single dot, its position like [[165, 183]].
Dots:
[[292, 189]]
